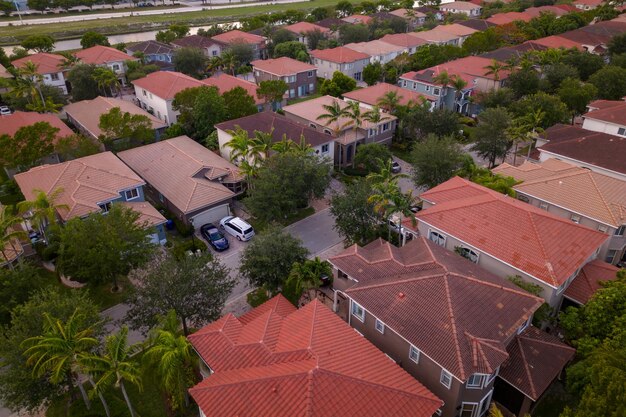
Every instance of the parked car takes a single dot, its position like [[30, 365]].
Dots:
[[237, 227], [214, 237], [4, 111], [395, 167]]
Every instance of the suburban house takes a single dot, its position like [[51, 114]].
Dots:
[[513, 52], [155, 92], [506, 236], [85, 115], [589, 281], [460, 31], [587, 4], [342, 59], [193, 183], [226, 82], [478, 24], [10, 124], [357, 19], [208, 46], [584, 148], [154, 52], [462, 7], [281, 128], [347, 139], [49, 66], [406, 40], [595, 38], [105, 56], [378, 50], [501, 19], [555, 42], [412, 17], [557, 11], [418, 304], [428, 11], [91, 185], [279, 361], [258, 43], [473, 70], [301, 77], [302, 29], [370, 96], [606, 116], [578, 194], [437, 37]]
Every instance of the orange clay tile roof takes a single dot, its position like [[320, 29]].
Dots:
[[576, 189], [147, 213], [589, 280], [282, 66], [238, 36], [613, 112], [435, 36], [403, 39], [510, 17], [456, 29], [4, 73], [535, 360], [10, 124], [47, 63], [459, 5], [339, 55], [407, 13], [375, 47], [370, 95], [542, 245], [536, 11], [468, 68], [99, 55], [11, 251], [421, 288], [604, 104], [305, 27], [166, 84], [186, 173], [85, 182], [226, 82], [279, 361], [556, 42], [357, 18]]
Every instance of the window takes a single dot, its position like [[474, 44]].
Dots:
[[414, 354], [602, 228], [527, 322], [403, 83], [161, 198], [325, 148], [116, 67], [357, 76], [543, 206], [438, 238], [385, 127], [575, 218], [380, 326], [475, 381], [358, 312], [523, 198], [620, 230], [436, 91], [144, 92], [54, 76], [468, 254], [132, 194], [312, 125], [214, 53], [328, 132], [311, 88], [292, 93], [621, 131], [310, 74], [446, 378], [105, 207], [468, 410], [610, 256]]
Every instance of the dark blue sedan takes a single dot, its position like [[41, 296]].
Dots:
[[214, 237]]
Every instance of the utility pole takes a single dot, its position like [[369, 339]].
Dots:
[[17, 8]]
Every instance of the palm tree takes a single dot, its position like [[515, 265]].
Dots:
[[533, 122], [59, 352], [355, 118], [229, 62], [443, 78], [494, 69], [459, 84], [334, 113], [171, 354], [115, 365], [239, 144], [262, 143], [215, 63], [306, 276], [284, 145], [374, 116], [43, 208], [69, 60], [387, 197], [31, 71], [8, 235], [106, 78], [389, 101]]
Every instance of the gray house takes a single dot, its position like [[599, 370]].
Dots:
[[154, 52]]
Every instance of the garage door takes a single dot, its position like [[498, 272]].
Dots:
[[212, 215]]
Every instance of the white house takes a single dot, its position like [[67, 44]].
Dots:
[[49, 66], [606, 116]]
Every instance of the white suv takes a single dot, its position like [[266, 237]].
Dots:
[[236, 227]]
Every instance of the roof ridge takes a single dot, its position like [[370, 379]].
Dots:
[[454, 330], [601, 195], [548, 264], [546, 342], [526, 367], [65, 168], [492, 284], [384, 284]]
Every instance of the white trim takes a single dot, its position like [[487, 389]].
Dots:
[[361, 318], [413, 348], [441, 379], [382, 326], [582, 162]]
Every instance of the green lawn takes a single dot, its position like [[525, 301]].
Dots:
[[86, 12], [103, 295], [299, 215], [301, 99]]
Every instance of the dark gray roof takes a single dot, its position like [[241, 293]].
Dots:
[[506, 53], [477, 24], [150, 47], [194, 41]]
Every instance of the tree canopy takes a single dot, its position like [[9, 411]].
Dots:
[[337, 85], [28, 146], [92, 38], [435, 160], [190, 61], [122, 130], [355, 219], [491, 138]]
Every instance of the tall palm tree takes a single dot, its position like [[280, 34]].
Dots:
[[239, 145], [334, 113], [59, 352], [31, 71], [387, 197], [69, 60], [229, 62], [374, 116], [8, 235], [106, 78], [262, 143], [284, 145], [115, 365], [533, 122], [171, 354], [494, 69], [355, 119], [306, 276], [443, 78], [43, 208], [458, 84], [389, 101]]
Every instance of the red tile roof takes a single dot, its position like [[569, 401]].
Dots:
[[510, 17], [99, 55], [556, 42], [535, 360], [403, 39], [370, 95], [523, 236], [47, 63], [422, 288], [238, 36], [339, 55], [468, 68], [278, 361], [166, 84], [282, 66], [194, 41], [459, 5], [589, 281], [305, 27], [614, 112], [10, 124], [357, 18], [225, 82]]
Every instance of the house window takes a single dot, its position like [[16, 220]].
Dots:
[[310, 74], [475, 381], [523, 198], [292, 92], [105, 207], [54, 76], [527, 322], [116, 67], [328, 132], [427, 88], [132, 194], [621, 131], [602, 228], [438, 238], [325, 148], [446, 378], [484, 404], [414, 354], [380, 326], [543, 206], [144, 92], [214, 53], [358, 312], [620, 230], [610, 256], [161, 198], [385, 127], [436, 91], [575, 218], [403, 83], [311, 88], [468, 254], [357, 76]]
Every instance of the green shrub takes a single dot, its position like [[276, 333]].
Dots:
[[180, 249], [257, 297]]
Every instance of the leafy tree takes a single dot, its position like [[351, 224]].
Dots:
[[617, 45], [314, 38], [239, 103], [180, 29], [28, 146], [165, 36], [75, 146], [281, 35], [304, 277], [122, 130], [430, 55], [92, 38], [4, 59], [355, 219], [242, 52], [344, 8], [272, 91], [353, 33], [38, 43], [502, 97], [585, 63], [107, 78], [84, 86], [419, 121], [267, 259], [555, 74], [201, 108], [6, 7], [610, 82], [435, 160], [190, 61], [372, 73], [293, 49], [43, 209], [492, 140], [483, 41], [17, 285], [320, 13], [523, 82], [553, 109], [372, 157], [576, 95], [286, 182], [101, 248], [338, 85]]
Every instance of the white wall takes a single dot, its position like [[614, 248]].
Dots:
[[161, 108], [601, 126], [58, 83], [544, 156]]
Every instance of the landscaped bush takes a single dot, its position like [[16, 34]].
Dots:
[[257, 297], [180, 249]]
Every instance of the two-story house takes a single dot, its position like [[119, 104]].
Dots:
[[226, 82], [378, 50], [506, 236], [607, 116], [92, 184], [49, 66], [437, 37], [461, 32], [462, 7], [342, 59], [154, 52], [105, 56], [507, 18], [449, 323], [371, 96], [406, 40], [257, 43], [413, 18], [578, 194], [208, 46], [348, 135], [302, 29], [301, 77], [277, 361]]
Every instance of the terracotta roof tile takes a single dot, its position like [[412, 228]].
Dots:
[[147, 213], [4, 73], [300, 363], [403, 39], [226, 82], [282, 66], [556, 42], [434, 36], [468, 68], [99, 55], [509, 17], [589, 281], [370, 95], [166, 84], [478, 24], [46, 63], [375, 47], [357, 18], [459, 5], [305, 27], [456, 29], [339, 55], [234, 36], [407, 13], [611, 113], [194, 41], [10, 124]]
